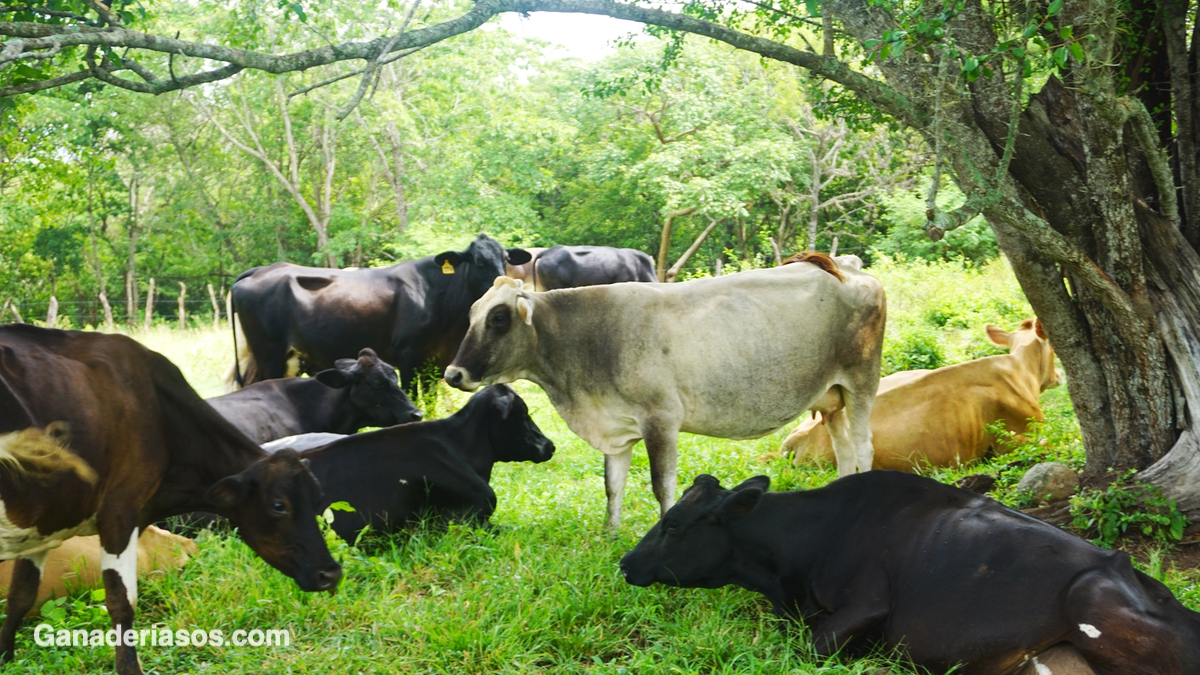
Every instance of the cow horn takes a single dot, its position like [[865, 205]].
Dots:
[[504, 281]]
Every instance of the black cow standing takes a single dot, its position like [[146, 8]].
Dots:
[[394, 477], [356, 393], [575, 266], [412, 314], [949, 576]]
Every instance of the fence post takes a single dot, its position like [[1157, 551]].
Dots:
[[13, 305], [182, 309], [52, 313], [150, 304], [212, 296], [108, 318]]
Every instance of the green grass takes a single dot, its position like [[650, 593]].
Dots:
[[543, 593]]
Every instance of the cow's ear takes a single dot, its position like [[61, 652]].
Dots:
[[345, 364], [334, 378], [996, 335], [760, 482], [504, 402], [1038, 330], [740, 503], [227, 492], [453, 257], [525, 309], [518, 256]]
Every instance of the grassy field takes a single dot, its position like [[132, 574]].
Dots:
[[543, 593]]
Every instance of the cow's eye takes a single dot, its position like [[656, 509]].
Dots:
[[499, 318], [670, 527], [280, 508]]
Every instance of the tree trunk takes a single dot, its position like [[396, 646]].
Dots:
[[149, 305], [664, 245], [182, 306], [674, 271], [212, 296], [108, 315]]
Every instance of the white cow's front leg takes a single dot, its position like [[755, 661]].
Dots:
[[120, 585], [616, 470], [663, 450]]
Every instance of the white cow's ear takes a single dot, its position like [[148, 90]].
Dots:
[[525, 309]]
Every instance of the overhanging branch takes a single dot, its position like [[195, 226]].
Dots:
[[40, 36]]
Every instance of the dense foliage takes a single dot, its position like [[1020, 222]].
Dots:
[[103, 189]]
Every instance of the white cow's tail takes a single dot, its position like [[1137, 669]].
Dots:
[[41, 454]]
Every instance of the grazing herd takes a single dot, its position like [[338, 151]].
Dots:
[[101, 436]]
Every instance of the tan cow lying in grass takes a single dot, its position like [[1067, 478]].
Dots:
[[76, 564], [937, 417]]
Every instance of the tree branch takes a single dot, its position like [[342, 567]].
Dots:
[[45, 36]]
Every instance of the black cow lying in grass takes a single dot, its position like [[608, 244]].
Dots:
[[352, 395], [949, 576], [394, 477]]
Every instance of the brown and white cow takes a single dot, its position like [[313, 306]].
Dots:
[[736, 356], [99, 435], [76, 564], [937, 417]]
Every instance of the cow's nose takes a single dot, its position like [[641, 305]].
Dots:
[[454, 376], [329, 577], [415, 416]]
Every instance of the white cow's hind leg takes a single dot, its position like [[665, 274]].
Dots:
[[616, 470], [850, 431]]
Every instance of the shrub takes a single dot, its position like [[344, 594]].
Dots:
[[1126, 508], [912, 349]]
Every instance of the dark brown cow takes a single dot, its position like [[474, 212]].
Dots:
[[99, 435]]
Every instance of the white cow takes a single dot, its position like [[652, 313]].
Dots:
[[737, 356]]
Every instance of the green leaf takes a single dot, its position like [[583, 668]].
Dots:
[[1065, 32], [813, 7], [98, 595], [1054, 7], [1030, 31], [342, 506], [1077, 51], [971, 64], [1060, 57]]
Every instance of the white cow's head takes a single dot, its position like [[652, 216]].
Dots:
[[501, 341]]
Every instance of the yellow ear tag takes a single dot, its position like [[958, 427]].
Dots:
[[447, 268]]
